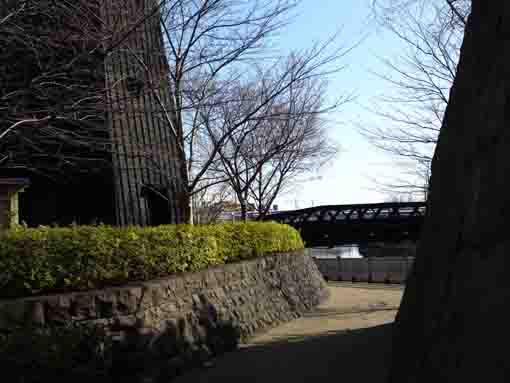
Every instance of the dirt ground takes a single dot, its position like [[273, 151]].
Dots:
[[347, 337]]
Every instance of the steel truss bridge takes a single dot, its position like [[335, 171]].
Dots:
[[336, 225]]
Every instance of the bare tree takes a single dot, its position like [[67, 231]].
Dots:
[[411, 117], [51, 93], [210, 203], [213, 46], [204, 42], [72, 100], [54, 89], [284, 142]]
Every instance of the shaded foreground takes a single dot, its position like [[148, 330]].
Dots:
[[347, 337]]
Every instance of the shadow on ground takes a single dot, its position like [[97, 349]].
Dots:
[[360, 354]]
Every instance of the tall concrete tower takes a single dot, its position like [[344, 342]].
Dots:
[[144, 181], [148, 165]]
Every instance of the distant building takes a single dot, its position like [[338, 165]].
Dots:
[[232, 212]]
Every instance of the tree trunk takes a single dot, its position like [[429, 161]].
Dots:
[[452, 324], [244, 211], [189, 211]]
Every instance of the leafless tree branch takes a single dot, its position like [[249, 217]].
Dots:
[[420, 78]]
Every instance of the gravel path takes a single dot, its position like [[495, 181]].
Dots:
[[347, 337]]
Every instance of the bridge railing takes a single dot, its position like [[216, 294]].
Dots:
[[359, 212]]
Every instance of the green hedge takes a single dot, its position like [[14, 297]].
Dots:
[[46, 259]]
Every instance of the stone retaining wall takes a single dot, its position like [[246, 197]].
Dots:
[[172, 324]]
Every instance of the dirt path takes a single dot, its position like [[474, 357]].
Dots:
[[347, 337]]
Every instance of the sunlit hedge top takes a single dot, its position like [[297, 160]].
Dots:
[[45, 260]]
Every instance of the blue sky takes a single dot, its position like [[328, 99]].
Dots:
[[349, 179]]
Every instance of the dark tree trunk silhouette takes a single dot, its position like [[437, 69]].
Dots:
[[452, 325]]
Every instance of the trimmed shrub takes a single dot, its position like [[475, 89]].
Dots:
[[48, 259]]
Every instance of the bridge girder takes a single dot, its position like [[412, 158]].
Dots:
[[335, 225]]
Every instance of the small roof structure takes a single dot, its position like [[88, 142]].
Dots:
[[14, 181]]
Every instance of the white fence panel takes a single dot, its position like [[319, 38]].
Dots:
[[360, 269], [328, 267], [381, 270]]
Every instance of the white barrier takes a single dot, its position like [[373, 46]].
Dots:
[[328, 267], [382, 270]]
